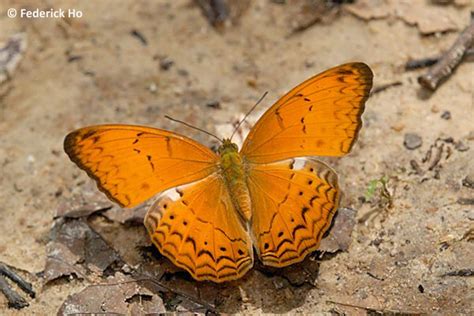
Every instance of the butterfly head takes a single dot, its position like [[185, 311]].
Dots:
[[227, 147]]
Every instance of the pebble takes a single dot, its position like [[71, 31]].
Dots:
[[279, 283], [446, 115], [166, 63], [214, 104], [398, 127], [412, 141], [460, 146], [470, 215], [468, 181]]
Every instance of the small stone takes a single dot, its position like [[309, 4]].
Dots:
[[460, 146], [152, 87], [279, 283], [434, 109], [470, 136], [446, 115], [252, 83], [166, 63], [183, 72], [126, 269], [412, 141], [397, 127], [470, 215], [468, 181], [214, 104], [309, 63]]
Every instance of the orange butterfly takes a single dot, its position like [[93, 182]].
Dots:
[[214, 209]]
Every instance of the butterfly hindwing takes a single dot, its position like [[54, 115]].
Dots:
[[197, 227], [319, 117], [293, 201], [133, 163]]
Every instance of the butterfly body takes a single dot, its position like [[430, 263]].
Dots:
[[233, 170], [214, 209]]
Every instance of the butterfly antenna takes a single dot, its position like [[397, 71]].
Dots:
[[248, 113], [193, 127]]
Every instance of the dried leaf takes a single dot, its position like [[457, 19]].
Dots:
[[76, 249], [339, 237], [132, 216], [86, 202], [10, 55], [121, 295], [429, 19]]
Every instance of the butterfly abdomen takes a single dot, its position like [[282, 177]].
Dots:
[[234, 175]]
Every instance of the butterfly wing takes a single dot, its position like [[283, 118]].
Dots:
[[198, 229], [133, 163], [319, 117], [294, 202]]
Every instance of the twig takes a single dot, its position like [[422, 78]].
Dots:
[[25, 286], [444, 67], [462, 273], [437, 158], [14, 299], [465, 201], [385, 87], [414, 164], [137, 34], [377, 311], [429, 61]]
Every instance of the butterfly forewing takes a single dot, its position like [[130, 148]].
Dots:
[[133, 163], [319, 117]]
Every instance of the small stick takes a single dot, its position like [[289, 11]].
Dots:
[[24, 285], [414, 164], [429, 61], [444, 67], [14, 300], [374, 311], [385, 87], [462, 272]]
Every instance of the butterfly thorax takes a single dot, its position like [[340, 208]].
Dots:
[[233, 171]]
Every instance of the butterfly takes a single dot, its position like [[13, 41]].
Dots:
[[215, 209]]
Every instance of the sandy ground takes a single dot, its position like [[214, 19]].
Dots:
[[398, 255]]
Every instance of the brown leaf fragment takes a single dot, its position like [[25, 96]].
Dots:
[[220, 12], [121, 295], [189, 296], [11, 53], [75, 249], [130, 216], [90, 201], [303, 14], [339, 237], [296, 275], [428, 19], [370, 9]]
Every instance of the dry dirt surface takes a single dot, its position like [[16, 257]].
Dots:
[[133, 62]]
